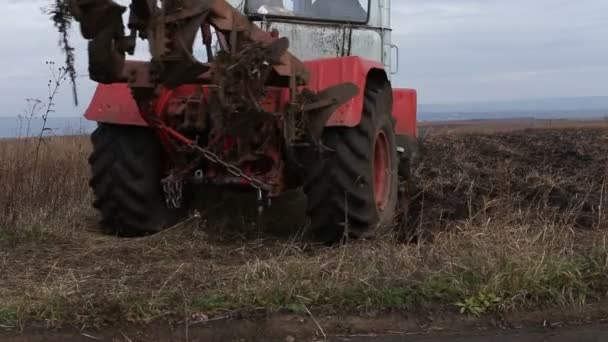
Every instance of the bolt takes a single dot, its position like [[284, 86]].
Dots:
[[199, 175]]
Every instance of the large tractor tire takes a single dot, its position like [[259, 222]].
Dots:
[[355, 189], [127, 169]]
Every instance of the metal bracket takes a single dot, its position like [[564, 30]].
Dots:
[[396, 63]]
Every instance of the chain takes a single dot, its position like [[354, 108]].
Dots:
[[173, 189], [257, 184], [173, 186], [233, 170]]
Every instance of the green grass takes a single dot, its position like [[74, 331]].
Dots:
[[9, 318], [563, 283], [90, 279]]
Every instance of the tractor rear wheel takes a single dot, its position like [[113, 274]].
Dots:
[[127, 169], [355, 189]]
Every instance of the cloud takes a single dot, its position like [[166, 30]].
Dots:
[[451, 50], [471, 50]]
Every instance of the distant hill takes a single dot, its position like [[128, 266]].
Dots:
[[575, 107], [558, 108], [11, 127]]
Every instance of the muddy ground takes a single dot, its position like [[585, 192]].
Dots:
[[561, 172], [390, 328]]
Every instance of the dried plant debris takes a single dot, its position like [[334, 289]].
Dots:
[[60, 14]]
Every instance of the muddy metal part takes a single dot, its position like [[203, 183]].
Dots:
[[171, 31], [235, 115]]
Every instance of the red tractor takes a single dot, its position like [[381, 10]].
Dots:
[[253, 115]]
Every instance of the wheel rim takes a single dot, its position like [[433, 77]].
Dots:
[[382, 174]]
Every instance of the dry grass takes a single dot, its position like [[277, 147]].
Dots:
[[500, 254], [51, 188]]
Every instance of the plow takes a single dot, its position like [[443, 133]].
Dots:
[[292, 95]]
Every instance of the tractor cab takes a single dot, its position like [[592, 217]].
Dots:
[[355, 11], [329, 28]]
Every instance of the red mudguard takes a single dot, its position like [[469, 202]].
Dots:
[[405, 111], [114, 103], [325, 73]]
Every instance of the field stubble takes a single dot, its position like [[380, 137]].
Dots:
[[506, 222]]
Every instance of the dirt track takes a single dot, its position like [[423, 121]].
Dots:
[[584, 333], [598, 333]]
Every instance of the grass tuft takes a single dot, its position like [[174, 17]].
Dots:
[[8, 318]]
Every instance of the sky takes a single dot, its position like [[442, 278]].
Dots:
[[450, 51]]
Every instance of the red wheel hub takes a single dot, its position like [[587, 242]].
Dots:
[[382, 171]]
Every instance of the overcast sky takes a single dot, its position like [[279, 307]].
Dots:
[[450, 50]]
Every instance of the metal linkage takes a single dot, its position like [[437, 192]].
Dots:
[[173, 185], [232, 169], [173, 189]]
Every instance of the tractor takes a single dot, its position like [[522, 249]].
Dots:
[[264, 95]]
